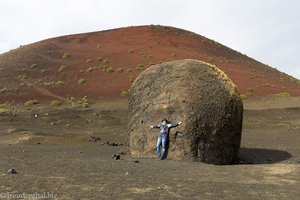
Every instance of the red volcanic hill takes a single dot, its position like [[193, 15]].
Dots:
[[104, 64]]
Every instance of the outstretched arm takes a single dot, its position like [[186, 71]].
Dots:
[[155, 126], [174, 125]]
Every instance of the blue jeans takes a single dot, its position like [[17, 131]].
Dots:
[[161, 141]]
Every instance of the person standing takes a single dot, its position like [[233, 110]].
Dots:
[[163, 136]]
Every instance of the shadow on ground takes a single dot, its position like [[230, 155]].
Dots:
[[262, 156]]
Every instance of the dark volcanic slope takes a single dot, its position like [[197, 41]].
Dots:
[[103, 64]]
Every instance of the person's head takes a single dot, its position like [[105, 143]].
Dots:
[[164, 121]]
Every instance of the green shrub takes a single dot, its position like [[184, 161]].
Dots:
[[140, 67], [66, 56], [283, 94], [3, 108], [84, 102], [124, 93], [244, 96], [81, 81], [59, 83], [249, 92], [89, 60], [89, 69], [62, 68], [120, 70], [56, 103], [105, 61], [33, 66], [1, 62], [100, 59], [109, 70], [131, 78], [31, 103]]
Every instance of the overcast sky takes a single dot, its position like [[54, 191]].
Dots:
[[266, 30]]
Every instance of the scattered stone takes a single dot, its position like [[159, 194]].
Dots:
[[127, 173], [53, 123], [116, 156], [12, 171], [94, 139], [136, 161], [67, 125], [38, 143]]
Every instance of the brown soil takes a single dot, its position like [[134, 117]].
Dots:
[[31, 71], [51, 151]]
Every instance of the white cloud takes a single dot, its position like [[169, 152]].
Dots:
[[265, 30]]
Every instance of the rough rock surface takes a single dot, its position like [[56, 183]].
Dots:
[[196, 93]]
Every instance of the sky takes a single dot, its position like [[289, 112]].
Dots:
[[266, 30]]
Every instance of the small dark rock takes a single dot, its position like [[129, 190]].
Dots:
[[269, 159], [38, 143], [116, 156], [53, 123], [94, 139], [12, 171], [136, 161]]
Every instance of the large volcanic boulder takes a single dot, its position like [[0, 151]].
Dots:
[[196, 93]]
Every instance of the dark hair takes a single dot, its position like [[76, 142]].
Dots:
[[164, 119]]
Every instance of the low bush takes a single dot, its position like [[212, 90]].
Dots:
[[66, 56], [56, 103], [81, 81], [59, 83], [31, 103], [3, 108], [33, 66], [89, 60], [140, 67], [249, 92], [62, 68], [124, 93]]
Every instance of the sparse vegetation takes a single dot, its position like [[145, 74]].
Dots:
[[131, 78], [33, 66], [1, 62], [31, 103], [105, 61], [3, 90], [100, 59], [244, 96], [124, 93], [23, 76], [99, 45], [249, 92], [174, 55], [84, 102], [89, 69], [130, 51], [66, 56], [120, 70], [283, 94], [129, 70], [56, 103], [89, 60], [59, 83], [43, 71], [62, 68], [108, 69], [3, 108], [81, 81], [140, 67]]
